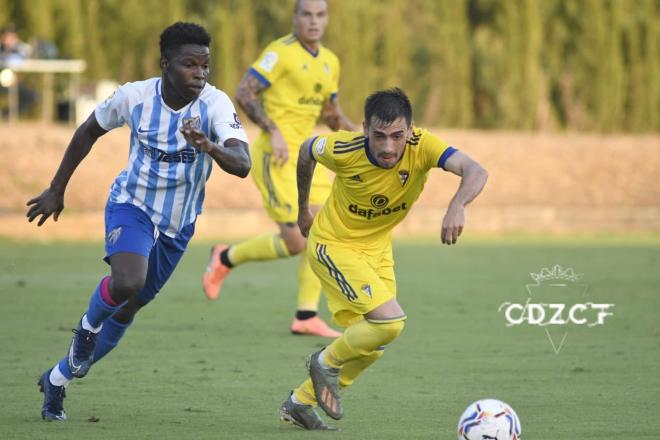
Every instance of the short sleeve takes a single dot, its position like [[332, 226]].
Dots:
[[436, 151], [225, 121], [114, 111], [269, 67], [320, 149]]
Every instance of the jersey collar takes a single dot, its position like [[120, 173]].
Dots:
[[314, 54]]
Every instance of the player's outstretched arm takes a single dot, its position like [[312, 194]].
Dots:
[[233, 156], [473, 180], [334, 117], [51, 201], [248, 97], [304, 174]]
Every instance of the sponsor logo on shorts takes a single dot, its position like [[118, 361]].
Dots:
[[371, 213], [366, 288], [113, 236]]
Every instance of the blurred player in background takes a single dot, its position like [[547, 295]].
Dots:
[[292, 83], [180, 125], [379, 175]]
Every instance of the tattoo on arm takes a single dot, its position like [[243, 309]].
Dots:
[[248, 98], [304, 173]]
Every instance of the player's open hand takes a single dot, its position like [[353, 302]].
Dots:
[[197, 139], [305, 220], [46, 204], [452, 224], [280, 150]]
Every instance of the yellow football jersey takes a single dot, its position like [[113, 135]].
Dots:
[[367, 201], [298, 83]]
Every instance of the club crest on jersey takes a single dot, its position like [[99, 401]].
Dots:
[[195, 122], [269, 61], [320, 146], [113, 236], [366, 288], [403, 177]]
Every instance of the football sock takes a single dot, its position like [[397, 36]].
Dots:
[[224, 258], [261, 248], [309, 286], [60, 375], [352, 369], [305, 314], [360, 346], [99, 304], [109, 337], [305, 393], [361, 339]]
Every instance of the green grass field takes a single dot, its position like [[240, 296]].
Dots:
[[193, 369]]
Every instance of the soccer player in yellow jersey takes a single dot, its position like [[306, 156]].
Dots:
[[379, 175], [293, 82]]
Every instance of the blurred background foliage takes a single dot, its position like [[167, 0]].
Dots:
[[510, 64]]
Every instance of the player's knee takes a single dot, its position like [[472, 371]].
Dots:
[[126, 286], [389, 331]]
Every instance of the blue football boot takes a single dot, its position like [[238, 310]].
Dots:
[[53, 407], [81, 351]]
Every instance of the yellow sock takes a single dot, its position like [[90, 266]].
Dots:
[[361, 339], [305, 393], [352, 369], [263, 247], [309, 286]]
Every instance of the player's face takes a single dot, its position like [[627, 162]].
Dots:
[[387, 141], [187, 70], [311, 20]]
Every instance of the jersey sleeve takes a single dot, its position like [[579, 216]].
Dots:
[[114, 111], [436, 151], [224, 120], [321, 150], [269, 67]]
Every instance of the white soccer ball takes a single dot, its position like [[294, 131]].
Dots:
[[489, 419]]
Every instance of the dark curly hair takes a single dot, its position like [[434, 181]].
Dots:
[[387, 106], [181, 33]]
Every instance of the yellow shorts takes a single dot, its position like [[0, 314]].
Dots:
[[353, 282], [278, 187]]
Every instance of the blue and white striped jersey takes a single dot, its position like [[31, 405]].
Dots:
[[165, 177]]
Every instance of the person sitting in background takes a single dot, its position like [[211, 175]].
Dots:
[[12, 50]]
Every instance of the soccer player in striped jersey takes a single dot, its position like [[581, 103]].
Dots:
[[179, 125], [379, 175], [293, 82]]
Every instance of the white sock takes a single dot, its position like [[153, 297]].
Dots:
[[57, 378], [87, 326], [322, 360]]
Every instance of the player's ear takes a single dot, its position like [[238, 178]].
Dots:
[[164, 64], [364, 128]]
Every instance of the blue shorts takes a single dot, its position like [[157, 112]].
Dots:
[[129, 229]]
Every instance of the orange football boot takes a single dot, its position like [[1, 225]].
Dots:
[[313, 326], [215, 274]]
